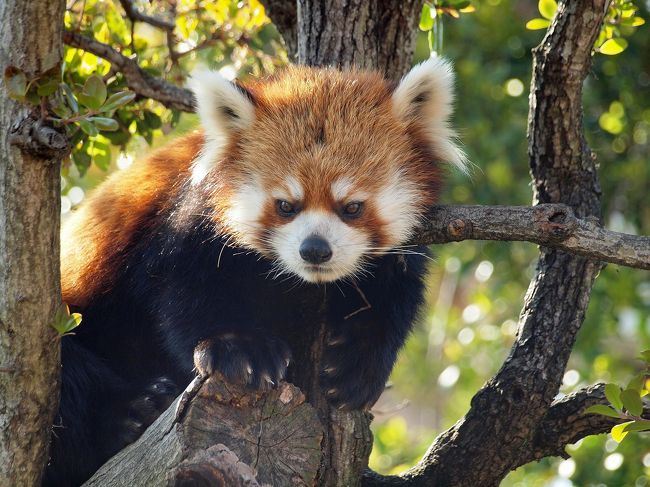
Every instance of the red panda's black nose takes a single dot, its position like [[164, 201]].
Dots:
[[315, 250]]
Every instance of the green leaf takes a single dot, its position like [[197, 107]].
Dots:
[[637, 382], [64, 321], [16, 82], [537, 24], [88, 127], [104, 123], [81, 161], [632, 401], [47, 87], [613, 395], [94, 93], [619, 433], [117, 100], [62, 110], [426, 18], [611, 47], [643, 425], [603, 410], [547, 8], [152, 120], [69, 97], [638, 21]]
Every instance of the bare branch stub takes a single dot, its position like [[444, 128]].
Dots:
[[39, 138]]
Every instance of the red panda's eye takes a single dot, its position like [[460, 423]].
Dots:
[[285, 208], [353, 210]]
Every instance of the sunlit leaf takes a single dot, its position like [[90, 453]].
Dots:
[[547, 8], [537, 24], [638, 21], [619, 433], [614, 46], [64, 321], [426, 18]]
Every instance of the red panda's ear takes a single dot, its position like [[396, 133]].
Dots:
[[425, 95], [222, 105]]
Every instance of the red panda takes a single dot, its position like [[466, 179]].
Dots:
[[315, 175]]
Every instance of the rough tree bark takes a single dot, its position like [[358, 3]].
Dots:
[[30, 39], [513, 420]]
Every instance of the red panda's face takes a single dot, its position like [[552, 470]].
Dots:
[[322, 170]]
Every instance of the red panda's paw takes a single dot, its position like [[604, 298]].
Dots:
[[127, 425], [347, 387], [258, 361]]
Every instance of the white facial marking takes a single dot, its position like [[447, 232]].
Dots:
[[246, 208], [397, 207], [295, 188], [340, 188], [342, 191], [348, 245]]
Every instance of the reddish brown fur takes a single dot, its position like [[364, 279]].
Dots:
[[294, 110], [98, 236], [363, 139]]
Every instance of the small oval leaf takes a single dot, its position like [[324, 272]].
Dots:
[[632, 401], [104, 123], [537, 24], [117, 100], [88, 128], [614, 46], [613, 395], [603, 410], [547, 8]]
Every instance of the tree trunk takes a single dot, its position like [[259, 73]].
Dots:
[[30, 39]]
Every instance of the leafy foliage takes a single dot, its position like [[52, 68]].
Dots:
[[627, 404], [64, 321]]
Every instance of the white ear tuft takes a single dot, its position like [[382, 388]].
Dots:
[[426, 94], [223, 107]]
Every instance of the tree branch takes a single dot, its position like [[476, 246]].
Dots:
[[136, 16], [566, 422], [137, 79], [551, 225]]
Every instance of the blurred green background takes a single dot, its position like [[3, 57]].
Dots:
[[475, 289]]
